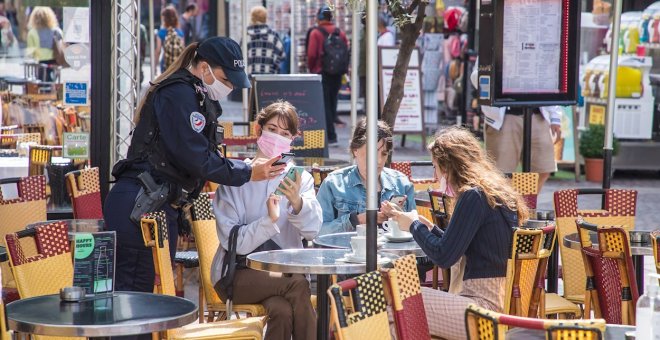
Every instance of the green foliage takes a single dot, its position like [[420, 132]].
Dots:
[[592, 141]]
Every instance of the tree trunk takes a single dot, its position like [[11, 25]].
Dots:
[[409, 35]]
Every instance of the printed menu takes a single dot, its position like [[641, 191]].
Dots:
[[94, 261], [531, 46]]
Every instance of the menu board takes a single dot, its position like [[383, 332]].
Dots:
[[531, 41], [94, 261], [304, 92]]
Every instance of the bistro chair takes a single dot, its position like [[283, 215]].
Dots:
[[84, 188], [611, 286], [483, 324], [154, 233], [403, 286], [526, 184], [52, 261], [420, 183], [40, 157], [655, 240], [435, 213], [313, 144], [206, 237], [619, 210], [525, 278], [29, 207], [370, 319], [319, 175], [4, 333]]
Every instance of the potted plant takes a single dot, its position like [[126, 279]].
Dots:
[[591, 148]]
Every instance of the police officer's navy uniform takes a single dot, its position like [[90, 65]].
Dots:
[[175, 141]]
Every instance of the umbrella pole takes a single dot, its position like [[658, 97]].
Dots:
[[611, 97], [527, 139], [372, 133]]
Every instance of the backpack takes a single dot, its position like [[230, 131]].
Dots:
[[172, 47], [335, 56]]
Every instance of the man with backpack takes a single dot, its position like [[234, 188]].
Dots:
[[328, 54]]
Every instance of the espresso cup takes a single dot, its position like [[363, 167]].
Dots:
[[359, 246], [361, 230], [393, 227]]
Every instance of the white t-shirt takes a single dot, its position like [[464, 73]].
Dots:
[[386, 39]]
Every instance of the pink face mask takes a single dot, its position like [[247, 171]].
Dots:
[[445, 188], [272, 144]]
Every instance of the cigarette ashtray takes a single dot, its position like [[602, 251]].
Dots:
[[72, 294]]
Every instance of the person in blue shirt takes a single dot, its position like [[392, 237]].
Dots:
[[485, 212], [343, 193], [175, 142], [169, 19]]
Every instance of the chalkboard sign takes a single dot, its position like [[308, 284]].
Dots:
[[305, 92]]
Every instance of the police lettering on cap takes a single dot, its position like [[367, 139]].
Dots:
[[225, 52]]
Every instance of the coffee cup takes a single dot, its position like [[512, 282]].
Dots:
[[393, 227], [361, 230], [359, 246]]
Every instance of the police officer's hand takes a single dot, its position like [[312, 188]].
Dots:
[[273, 205], [291, 190], [263, 169], [556, 131]]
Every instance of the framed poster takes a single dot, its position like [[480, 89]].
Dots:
[[530, 56], [410, 118]]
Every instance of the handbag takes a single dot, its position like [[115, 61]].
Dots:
[[58, 49]]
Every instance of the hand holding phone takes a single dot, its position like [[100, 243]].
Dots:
[[291, 174], [286, 157], [398, 200]]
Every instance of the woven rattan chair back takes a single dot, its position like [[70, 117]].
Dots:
[[611, 286], [29, 207], [403, 286], [369, 321], [204, 229], [655, 241], [420, 184], [313, 144], [526, 184], [84, 188], [483, 324], [40, 157], [524, 294], [619, 209]]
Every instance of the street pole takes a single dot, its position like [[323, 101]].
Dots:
[[152, 47], [355, 46], [293, 67], [372, 132], [244, 15], [611, 97]]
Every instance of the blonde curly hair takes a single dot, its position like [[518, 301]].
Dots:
[[459, 156], [42, 17]]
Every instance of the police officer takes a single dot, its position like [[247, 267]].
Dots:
[[175, 144]]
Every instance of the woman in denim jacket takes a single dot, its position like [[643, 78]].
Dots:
[[343, 193]]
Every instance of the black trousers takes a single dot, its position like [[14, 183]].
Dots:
[[134, 270], [331, 85]]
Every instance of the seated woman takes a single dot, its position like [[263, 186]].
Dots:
[[343, 193], [486, 210], [271, 222]]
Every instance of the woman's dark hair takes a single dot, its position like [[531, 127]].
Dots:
[[170, 17], [360, 135], [284, 111]]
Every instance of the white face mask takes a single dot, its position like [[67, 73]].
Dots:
[[217, 90]]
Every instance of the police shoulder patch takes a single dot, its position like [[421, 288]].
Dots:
[[197, 121]]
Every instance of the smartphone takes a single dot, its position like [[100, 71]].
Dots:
[[398, 200], [286, 157], [291, 175]]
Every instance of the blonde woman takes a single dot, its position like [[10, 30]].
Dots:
[[485, 211], [44, 30]]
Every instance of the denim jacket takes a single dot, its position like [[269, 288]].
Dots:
[[343, 192]]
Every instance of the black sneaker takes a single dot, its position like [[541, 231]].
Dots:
[[332, 142]]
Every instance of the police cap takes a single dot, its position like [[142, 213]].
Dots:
[[226, 53]]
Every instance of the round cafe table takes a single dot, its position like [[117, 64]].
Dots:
[[322, 262], [637, 251], [122, 313], [343, 241], [75, 225]]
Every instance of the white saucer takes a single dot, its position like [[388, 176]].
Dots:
[[404, 238], [350, 258]]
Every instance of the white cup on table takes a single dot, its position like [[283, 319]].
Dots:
[[359, 246], [361, 230], [393, 227]]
